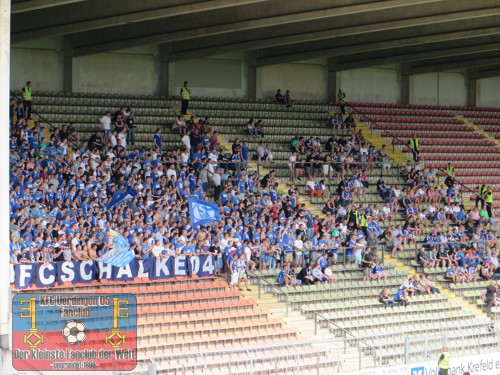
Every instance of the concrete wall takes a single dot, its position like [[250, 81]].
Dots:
[[370, 84], [223, 76], [487, 92], [137, 70], [40, 62], [305, 81], [443, 88], [117, 73]]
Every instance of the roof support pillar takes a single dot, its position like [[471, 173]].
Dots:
[[332, 80], [471, 89], [404, 84], [167, 70]]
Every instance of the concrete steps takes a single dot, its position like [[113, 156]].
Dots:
[[282, 187], [479, 130], [373, 137]]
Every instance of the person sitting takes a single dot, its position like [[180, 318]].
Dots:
[[279, 97], [290, 279], [422, 285], [378, 272], [401, 296], [349, 123], [385, 299], [305, 275], [431, 286], [259, 128], [250, 128], [452, 275], [318, 275], [328, 273], [423, 260], [288, 100]]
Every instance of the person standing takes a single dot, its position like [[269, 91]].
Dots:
[[450, 170], [489, 297], [444, 361], [106, 124], [414, 144], [488, 198], [341, 99], [185, 97], [27, 99], [479, 195], [158, 140]]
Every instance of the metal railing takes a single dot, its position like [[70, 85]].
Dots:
[[273, 287], [318, 318]]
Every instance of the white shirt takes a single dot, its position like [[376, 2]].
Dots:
[[106, 122], [170, 173], [113, 140], [431, 210], [299, 245], [260, 151], [187, 141], [248, 253], [157, 250], [123, 138], [217, 179], [311, 185]]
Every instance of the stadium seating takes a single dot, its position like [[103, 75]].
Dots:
[[198, 326]]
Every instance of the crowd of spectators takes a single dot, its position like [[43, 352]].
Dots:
[[58, 203]]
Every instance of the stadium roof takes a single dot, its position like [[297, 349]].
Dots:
[[423, 35]]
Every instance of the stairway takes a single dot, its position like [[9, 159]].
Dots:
[[282, 187], [450, 296], [349, 356], [479, 130], [373, 137]]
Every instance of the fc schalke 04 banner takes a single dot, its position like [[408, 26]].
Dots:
[[46, 275], [70, 332]]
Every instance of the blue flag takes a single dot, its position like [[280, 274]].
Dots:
[[202, 212], [121, 196], [120, 253], [37, 212], [53, 151]]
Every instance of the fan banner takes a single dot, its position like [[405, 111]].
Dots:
[[44, 275], [74, 332]]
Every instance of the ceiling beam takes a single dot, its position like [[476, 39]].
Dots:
[[258, 24], [331, 33], [404, 55], [446, 64], [493, 71], [32, 5], [128, 18], [349, 45]]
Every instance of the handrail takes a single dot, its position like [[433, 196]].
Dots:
[[44, 120], [317, 314], [394, 137], [279, 289]]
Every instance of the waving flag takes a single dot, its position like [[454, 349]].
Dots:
[[120, 253], [202, 212], [53, 151], [37, 212], [121, 196]]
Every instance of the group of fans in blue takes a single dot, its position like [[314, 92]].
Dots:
[[60, 195]]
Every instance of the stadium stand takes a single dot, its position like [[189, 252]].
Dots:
[[191, 325]]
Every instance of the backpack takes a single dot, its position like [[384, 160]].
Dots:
[[281, 277]]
